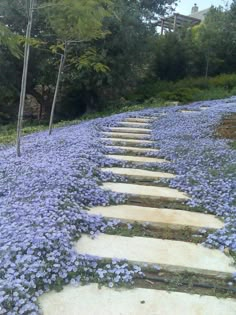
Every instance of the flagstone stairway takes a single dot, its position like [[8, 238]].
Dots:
[[143, 207]]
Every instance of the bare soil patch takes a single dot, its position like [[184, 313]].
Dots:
[[227, 128]]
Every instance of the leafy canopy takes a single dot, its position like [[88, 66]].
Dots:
[[78, 20], [9, 40]]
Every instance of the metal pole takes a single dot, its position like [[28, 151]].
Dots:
[[56, 92], [24, 76]]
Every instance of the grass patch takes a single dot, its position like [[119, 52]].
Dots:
[[162, 203], [8, 132], [145, 230], [233, 145], [188, 283]]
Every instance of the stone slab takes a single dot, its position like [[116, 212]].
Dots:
[[132, 149], [130, 141], [175, 219], [138, 120], [132, 130], [91, 300], [137, 173], [136, 159], [189, 111], [125, 135], [134, 124], [146, 191], [169, 255]]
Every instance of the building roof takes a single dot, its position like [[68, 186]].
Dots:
[[179, 19], [200, 14]]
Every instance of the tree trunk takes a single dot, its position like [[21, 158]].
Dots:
[[56, 91], [207, 64], [24, 76]]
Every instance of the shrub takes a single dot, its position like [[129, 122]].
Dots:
[[211, 94], [226, 81], [182, 95], [188, 89]]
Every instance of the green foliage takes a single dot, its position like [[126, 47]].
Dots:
[[170, 61], [10, 41], [78, 20], [226, 81], [233, 145], [188, 90], [182, 95], [8, 131], [89, 61], [119, 60]]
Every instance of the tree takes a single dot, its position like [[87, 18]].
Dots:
[[9, 40], [115, 53], [127, 51], [75, 22], [170, 61], [209, 35]]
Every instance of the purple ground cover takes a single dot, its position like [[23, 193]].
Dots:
[[206, 165], [42, 200], [43, 196]]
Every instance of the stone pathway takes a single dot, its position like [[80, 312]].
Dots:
[[171, 255]]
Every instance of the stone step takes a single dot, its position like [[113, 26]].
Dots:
[[138, 120], [135, 124], [171, 218], [132, 130], [137, 173], [189, 111], [129, 141], [132, 149], [152, 192], [125, 135], [92, 300], [169, 255], [136, 159]]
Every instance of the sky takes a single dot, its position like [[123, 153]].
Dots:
[[185, 6]]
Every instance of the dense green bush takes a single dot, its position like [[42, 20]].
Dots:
[[182, 95], [187, 90], [226, 81]]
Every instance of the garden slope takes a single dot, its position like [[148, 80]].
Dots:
[[43, 195]]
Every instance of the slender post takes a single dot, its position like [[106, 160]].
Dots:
[[24, 76], [56, 92], [207, 63], [62, 63]]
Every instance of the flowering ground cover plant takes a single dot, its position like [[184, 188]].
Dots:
[[44, 194], [205, 164]]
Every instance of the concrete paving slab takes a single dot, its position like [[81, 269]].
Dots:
[[130, 141], [132, 149], [136, 159], [171, 218], [125, 135], [91, 300], [169, 255], [189, 111], [146, 191], [137, 173], [135, 124], [132, 130], [138, 120]]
